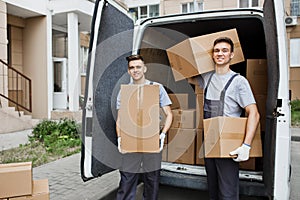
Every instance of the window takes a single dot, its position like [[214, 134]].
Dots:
[[295, 52], [144, 11], [248, 3], [295, 7], [190, 7], [134, 13], [153, 10], [84, 54]]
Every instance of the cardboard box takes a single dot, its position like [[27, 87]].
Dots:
[[199, 154], [164, 155], [224, 134], [193, 56], [199, 110], [139, 118], [179, 101], [261, 106], [40, 191], [15, 179], [181, 145], [248, 165], [183, 118], [257, 75]]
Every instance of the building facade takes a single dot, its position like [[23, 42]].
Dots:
[[45, 42]]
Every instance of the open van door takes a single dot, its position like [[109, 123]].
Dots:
[[277, 147], [111, 42]]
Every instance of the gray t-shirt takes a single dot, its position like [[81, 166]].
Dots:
[[238, 94], [164, 99]]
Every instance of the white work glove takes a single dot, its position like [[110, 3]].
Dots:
[[242, 153], [162, 140], [119, 144]]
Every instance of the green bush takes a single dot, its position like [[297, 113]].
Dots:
[[295, 109], [56, 135], [295, 105]]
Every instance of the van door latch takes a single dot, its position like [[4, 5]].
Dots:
[[277, 114]]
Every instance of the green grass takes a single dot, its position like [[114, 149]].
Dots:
[[295, 109], [50, 140]]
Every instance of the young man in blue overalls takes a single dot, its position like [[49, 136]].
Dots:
[[145, 164], [227, 93]]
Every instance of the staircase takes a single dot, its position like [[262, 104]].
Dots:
[[13, 121], [15, 93]]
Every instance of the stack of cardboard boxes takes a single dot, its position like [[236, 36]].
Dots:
[[184, 138], [16, 183], [181, 135]]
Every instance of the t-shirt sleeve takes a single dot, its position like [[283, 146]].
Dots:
[[245, 96], [164, 99]]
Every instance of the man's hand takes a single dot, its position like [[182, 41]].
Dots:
[[162, 140], [242, 153]]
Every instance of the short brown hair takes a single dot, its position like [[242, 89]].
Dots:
[[134, 57], [226, 40]]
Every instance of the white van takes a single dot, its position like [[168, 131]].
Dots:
[[114, 36]]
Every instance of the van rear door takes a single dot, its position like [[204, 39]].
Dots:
[[111, 42]]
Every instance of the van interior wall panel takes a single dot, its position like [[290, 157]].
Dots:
[[114, 43]]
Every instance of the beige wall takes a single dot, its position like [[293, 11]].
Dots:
[[3, 52], [174, 6], [35, 63], [84, 40], [293, 32]]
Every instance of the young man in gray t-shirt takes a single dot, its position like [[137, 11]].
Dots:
[[145, 164], [227, 93]]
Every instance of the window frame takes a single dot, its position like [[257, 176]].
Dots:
[[190, 5], [139, 16], [294, 55]]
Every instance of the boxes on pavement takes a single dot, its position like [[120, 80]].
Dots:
[[224, 134], [181, 145], [40, 191], [15, 179], [193, 56], [139, 118]]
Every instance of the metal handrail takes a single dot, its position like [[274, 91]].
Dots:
[[18, 82]]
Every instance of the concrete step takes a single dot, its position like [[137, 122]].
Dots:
[[14, 120]]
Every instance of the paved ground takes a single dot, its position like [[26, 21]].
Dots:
[[66, 184]]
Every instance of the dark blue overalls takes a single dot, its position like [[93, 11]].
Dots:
[[135, 166], [222, 173]]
